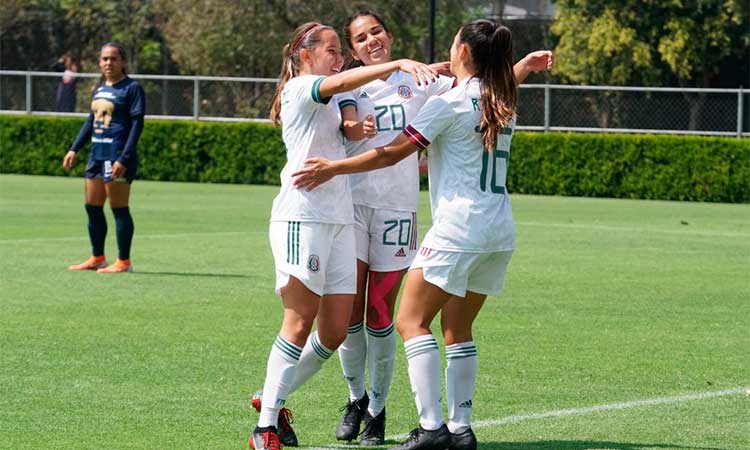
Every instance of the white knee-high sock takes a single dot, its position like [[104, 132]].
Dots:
[[380, 356], [424, 373], [280, 372], [460, 379], [313, 356], [352, 354]]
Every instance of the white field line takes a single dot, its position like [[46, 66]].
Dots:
[[584, 226], [422, 227], [658, 401]]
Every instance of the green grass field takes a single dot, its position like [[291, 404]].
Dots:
[[624, 325]]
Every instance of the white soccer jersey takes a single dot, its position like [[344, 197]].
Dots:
[[310, 127], [394, 103], [470, 206]]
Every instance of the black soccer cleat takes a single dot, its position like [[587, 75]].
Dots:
[[421, 439], [374, 433], [463, 441], [354, 412]]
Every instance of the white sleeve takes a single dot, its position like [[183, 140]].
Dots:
[[441, 86], [435, 117], [306, 91], [346, 99]]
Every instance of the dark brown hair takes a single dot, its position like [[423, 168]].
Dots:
[[491, 47], [352, 62], [123, 55]]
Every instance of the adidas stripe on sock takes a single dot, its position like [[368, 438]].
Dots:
[[460, 380], [424, 374], [310, 362], [352, 354], [280, 372], [381, 354]]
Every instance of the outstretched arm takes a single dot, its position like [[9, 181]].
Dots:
[[319, 170], [537, 61], [354, 78]]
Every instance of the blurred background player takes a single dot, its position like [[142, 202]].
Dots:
[[65, 93], [114, 126]]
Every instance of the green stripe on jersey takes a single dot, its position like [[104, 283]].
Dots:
[[316, 92], [347, 102]]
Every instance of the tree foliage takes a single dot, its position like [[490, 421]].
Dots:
[[638, 42]]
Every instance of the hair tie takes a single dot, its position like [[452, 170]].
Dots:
[[304, 35]]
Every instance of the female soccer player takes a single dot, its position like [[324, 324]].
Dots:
[[114, 125], [385, 211], [311, 233], [466, 252]]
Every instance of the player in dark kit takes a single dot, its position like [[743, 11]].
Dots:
[[114, 126]]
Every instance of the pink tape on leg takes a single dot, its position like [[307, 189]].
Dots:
[[377, 308]]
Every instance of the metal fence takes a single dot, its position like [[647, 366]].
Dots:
[[542, 107]]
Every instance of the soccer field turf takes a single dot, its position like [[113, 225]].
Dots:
[[624, 325]]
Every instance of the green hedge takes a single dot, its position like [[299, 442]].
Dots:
[[594, 165]]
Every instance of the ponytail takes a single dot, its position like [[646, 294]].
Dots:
[[305, 36], [491, 48]]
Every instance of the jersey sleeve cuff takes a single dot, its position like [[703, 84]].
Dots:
[[416, 137], [347, 102], [316, 92]]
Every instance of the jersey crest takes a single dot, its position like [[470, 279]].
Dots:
[[313, 263], [404, 91]]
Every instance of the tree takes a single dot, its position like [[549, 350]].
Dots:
[[636, 42]]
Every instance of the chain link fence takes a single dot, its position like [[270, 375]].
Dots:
[[542, 107]]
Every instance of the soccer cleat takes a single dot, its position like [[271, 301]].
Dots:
[[463, 441], [265, 438], [374, 433], [93, 263], [354, 412], [421, 439], [121, 265], [284, 427]]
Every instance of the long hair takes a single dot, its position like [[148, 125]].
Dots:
[[305, 36], [123, 55], [491, 47], [352, 62]]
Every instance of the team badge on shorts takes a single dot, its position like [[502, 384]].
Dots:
[[404, 91], [313, 263]]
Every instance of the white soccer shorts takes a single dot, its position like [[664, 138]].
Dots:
[[459, 272], [386, 238], [320, 255]]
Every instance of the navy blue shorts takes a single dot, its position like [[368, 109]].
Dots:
[[103, 169]]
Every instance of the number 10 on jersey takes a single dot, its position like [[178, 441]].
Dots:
[[494, 167]]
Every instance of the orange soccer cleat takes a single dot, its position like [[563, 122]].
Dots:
[[93, 263], [121, 265]]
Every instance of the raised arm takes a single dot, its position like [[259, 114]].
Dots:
[[319, 170], [354, 78], [537, 61]]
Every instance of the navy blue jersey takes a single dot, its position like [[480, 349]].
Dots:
[[116, 112]]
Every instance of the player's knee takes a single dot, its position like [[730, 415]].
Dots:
[[298, 329], [378, 316], [332, 339]]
